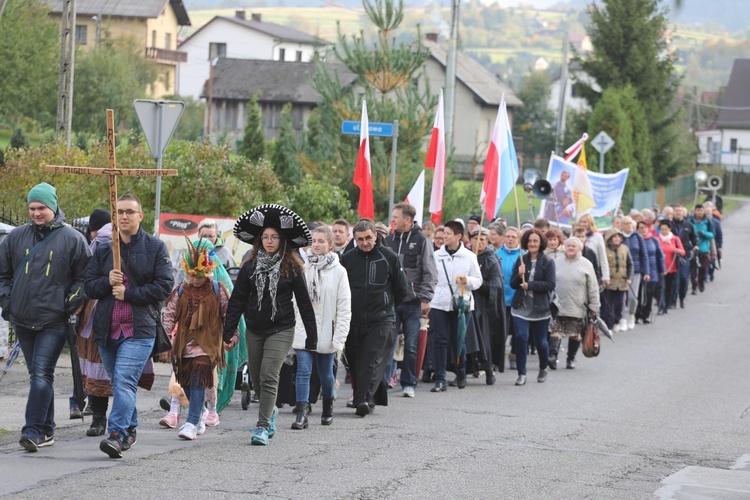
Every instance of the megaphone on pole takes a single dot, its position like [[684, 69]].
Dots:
[[534, 184], [714, 183]]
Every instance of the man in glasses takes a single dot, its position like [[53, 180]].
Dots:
[[42, 268], [209, 229], [124, 323]]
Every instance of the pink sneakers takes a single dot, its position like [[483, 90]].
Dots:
[[212, 419], [170, 420]]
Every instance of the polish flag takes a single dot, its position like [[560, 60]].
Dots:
[[416, 198], [362, 172], [501, 165], [436, 160]]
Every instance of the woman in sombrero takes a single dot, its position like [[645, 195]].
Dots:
[[267, 282]]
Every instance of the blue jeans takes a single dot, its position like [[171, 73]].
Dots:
[[445, 329], [408, 315], [197, 398], [683, 282], [539, 330], [41, 350], [304, 370], [124, 360]]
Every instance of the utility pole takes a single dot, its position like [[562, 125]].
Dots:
[[560, 132], [207, 132], [67, 67], [2, 6], [450, 76]]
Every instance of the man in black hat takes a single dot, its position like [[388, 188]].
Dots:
[[378, 284]]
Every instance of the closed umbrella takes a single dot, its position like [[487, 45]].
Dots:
[[461, 326], [424, 326], [11, 359]]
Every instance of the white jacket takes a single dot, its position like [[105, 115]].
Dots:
[[462, 262], [332, 313]]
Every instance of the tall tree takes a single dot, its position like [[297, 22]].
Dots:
[[110, 76], [386, 71], [252, 146], [630, 49], [29, 50], [535, 121], [285, 162]]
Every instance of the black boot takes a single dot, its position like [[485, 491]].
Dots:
[[327, 417], [554, 348], [98, 426], [301, 421], [573, 346], [490, 377]]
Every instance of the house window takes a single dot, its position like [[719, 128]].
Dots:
[[574, 90], [217, 50], [153, 38], [168, 41], [299, 56], [733, 145], [81, 34], [282, 54]]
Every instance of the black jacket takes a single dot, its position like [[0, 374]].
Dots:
[[50, 287], [544, 281], [244, 299], [378, 283], [147, 258], [684, 230], [418, 261]]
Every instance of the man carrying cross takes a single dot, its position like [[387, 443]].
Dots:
[[124, 322]]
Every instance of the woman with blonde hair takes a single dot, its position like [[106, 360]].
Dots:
[[595, 241]]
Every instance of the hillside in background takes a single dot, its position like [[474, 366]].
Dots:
[[512, 41]]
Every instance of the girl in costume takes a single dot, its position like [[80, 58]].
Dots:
[[198, 306]]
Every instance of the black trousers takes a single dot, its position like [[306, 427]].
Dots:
[[366, 350]]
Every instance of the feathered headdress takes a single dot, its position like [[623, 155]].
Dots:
[[199, 258]]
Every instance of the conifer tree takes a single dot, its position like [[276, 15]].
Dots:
[[252, 146]]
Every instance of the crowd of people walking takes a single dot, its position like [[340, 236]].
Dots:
[[385, 306]]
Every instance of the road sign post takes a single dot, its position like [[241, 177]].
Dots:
[[602, 143], [159, 121]]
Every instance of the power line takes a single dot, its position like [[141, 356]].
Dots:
[[712, 106]]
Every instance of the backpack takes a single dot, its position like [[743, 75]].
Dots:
[[213, 282]]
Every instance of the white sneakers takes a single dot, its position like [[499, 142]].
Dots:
[[201, 427], [212, 419], [623, 325], [188, 431], [408, 392], [631, 322]]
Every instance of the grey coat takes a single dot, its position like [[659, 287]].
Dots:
[[576, 286]]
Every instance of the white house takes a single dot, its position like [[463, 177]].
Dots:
[[729, 143], [573, 101], [478, 94], [240, 38]]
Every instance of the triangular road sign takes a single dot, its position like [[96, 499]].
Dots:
[[148, 114]]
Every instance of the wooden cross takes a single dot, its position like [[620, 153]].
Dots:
[[113, 172]]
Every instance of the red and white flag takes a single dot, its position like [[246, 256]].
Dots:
[[501, 165], [362, 172], [416, 198], [573, 150], [436, 160]]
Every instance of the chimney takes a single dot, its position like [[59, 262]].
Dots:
[[431, 37], [239, 14], [255, 16]]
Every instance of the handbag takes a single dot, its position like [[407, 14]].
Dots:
[[162, 342], [454, 299], [591, 344], [554, 303]]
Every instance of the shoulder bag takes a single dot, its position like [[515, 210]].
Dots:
[[454, 299], [162, 343]]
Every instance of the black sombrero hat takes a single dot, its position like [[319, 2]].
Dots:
[[251, 224]]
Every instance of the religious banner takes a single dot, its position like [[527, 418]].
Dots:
[[174, 227], [561, 208]]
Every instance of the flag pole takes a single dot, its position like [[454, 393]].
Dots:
[[518, 221]]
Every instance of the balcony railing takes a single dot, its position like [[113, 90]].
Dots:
[[165, 55]]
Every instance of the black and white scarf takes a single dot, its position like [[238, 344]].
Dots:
[[315, 265], [267, 270]]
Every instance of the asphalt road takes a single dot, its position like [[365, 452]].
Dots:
[[662, 412]]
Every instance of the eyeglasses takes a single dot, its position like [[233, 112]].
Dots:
[[273, 237], [129, 212]]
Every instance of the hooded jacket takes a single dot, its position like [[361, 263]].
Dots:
[[50, 287], [638, 253], [377, 282], [620, 263], [418, 261]]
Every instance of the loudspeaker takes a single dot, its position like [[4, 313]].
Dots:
[[714, 183]]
